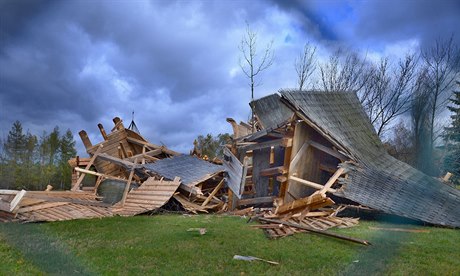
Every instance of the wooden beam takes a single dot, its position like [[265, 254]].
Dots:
[[8, 192], [298, 156], [123, 150], [281, 179], [98, 182], [14, 205], [213, 193], [149, 154], [125, 192], [120, 162], [274, 171], [312, 202], [286, 142], [41, 206], [329, 151], [256, 200], [70, 200], [311, 184], [262, 145], [99, 174], [191, 189], [150, 145], [331, 181], [102, 130], [90, 163], [85, 139], [118, 124]]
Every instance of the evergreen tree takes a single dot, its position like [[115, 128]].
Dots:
[[212, 146], [54, 142], [15, 143], [67, 151], [452, 137]]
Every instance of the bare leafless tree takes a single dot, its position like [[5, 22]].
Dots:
[[390, 91], [442, 63], [249, 62], [346, 72], [305, 65]]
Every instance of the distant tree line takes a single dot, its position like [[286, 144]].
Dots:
[[30, 162]]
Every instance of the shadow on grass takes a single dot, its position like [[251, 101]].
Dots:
[[42, 249]]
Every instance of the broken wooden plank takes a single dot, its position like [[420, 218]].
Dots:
[[332, 180], [311, 184], [128, 184], [312, 202], [213, 193], [88, 166], [14, 205], [325, 233], [256, 200], [100, 174]]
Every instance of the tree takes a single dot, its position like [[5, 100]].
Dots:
[[451, 162], [54, 144], [305, 65], [253, 66], [344, 73], [401, 145], [15, 143], [212, 146], [442, 63], [389, 91], [67, 151]]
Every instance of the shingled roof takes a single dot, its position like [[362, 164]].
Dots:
[[376, 179]]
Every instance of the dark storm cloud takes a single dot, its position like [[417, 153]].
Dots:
[[392, 20], [78, 63], [75, 64], [310, 19]]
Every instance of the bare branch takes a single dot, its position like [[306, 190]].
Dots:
[[305, 65]]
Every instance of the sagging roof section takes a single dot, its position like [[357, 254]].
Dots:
[[270, 112], [376, 180]]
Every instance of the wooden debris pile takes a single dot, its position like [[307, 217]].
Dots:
[[150, 176], [33, 206]]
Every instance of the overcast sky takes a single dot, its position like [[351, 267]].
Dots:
[[175, 63]]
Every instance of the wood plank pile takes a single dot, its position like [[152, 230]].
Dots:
[[33, 206]]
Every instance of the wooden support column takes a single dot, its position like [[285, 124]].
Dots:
[[76, 186], [130, 178]]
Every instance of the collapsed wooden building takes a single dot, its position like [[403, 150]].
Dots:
[[309, 151], [311, 147]]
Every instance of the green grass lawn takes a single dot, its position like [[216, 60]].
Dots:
[[161, 244]]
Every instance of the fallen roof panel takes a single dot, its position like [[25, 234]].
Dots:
[[378, 180], [270, 112], [190, 169]]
